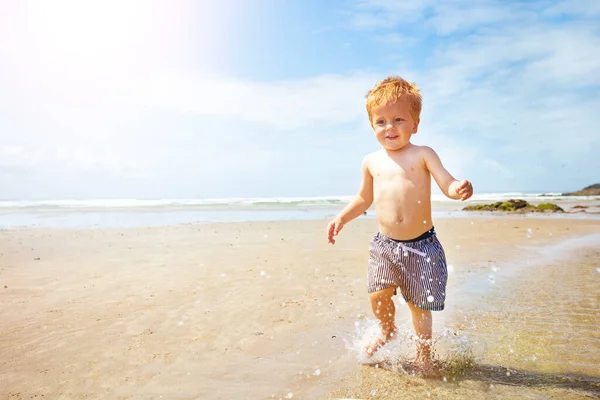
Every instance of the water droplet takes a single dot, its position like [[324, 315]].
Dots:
[[419, 202], [317, 372], [430, 299], [424, 222]]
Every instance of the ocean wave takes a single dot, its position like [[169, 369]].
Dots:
[[174, 203], [255, 202]]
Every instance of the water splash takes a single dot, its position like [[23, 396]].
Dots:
[[453, 349]]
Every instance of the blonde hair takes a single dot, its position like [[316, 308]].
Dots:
[[394, 88]]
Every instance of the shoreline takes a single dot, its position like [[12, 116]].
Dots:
[[164, 219]]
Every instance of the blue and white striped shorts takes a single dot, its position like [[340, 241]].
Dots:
[[417, 267]]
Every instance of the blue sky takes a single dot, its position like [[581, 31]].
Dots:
[[257, 98]]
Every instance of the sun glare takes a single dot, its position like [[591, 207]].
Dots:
[[83, 35], [101, 51]]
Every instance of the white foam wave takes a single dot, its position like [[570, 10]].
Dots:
[[153, 203], [252, 201]]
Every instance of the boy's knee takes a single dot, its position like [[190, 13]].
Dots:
[[382, 298], [418, 311]]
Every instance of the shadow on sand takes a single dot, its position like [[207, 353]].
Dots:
[[499, 375]]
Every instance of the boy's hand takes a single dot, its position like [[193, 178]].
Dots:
[[464, 189], [333, 229]]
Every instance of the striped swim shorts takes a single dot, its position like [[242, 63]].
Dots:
[[417, 267]]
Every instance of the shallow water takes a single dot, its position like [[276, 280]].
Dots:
[[534, 336]]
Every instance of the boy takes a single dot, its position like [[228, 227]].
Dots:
[[405, 253]]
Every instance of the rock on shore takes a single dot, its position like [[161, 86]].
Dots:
[[515, 205], [592, 190]]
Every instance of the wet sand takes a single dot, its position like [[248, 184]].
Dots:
[[269, 309]]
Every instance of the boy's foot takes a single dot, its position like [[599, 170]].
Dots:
[[425, 366], [374, 346], [378, 343]]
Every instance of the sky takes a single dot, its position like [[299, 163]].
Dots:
[[262, 98]]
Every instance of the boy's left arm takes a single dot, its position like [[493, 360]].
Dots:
[[451, 187]]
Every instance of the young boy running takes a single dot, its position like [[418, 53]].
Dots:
[[405, 253]]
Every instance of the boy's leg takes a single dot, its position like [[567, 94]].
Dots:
[[385, 311], [423, 324]]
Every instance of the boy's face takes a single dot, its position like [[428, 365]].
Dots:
[[393, 124]]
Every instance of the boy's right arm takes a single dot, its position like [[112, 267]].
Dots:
[[356, 207]]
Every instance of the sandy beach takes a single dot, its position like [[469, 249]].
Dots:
[[259, 310]]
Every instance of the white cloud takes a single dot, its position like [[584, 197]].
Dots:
[[500, 86], [583, 8]]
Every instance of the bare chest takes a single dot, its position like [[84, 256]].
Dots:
[[389, 174]]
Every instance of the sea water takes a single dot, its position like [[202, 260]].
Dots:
[[133, 213]]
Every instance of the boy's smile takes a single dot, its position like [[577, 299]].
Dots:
[[393, 124]]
